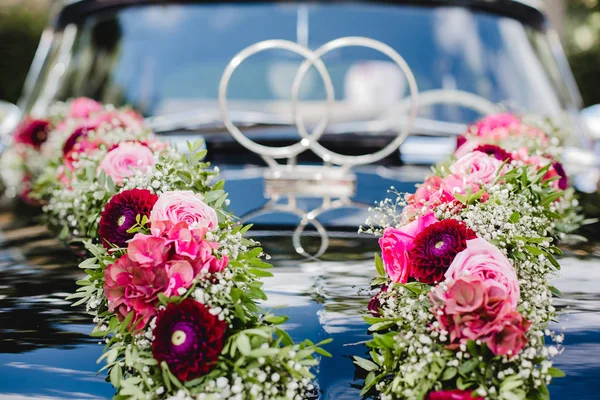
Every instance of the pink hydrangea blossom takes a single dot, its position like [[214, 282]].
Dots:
[[183, 206], [83, 107], [146, 249], [476, 168], [131, 286], [162, 263], [483, 260], [120, 162], [396, 243]]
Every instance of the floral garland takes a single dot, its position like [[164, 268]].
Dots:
[[465, 297], [172, 284]]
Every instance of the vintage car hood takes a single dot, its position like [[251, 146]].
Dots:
[[45, 352]]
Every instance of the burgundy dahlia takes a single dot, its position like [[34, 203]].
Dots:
[[33, 132], [498, 152], [375, 302], [188, 338], [435, 248], [77, 134], [120, 213], [563, 182]]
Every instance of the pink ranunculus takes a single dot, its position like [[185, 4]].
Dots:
[[496, 126], [146, 249], [83, 107], [119, 162], [182, 206], [396, 243], [133, 287], [476, 168], [483, 260], [508, 338], [455, 394], [180, 274]]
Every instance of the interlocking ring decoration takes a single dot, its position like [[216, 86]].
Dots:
[[333, 182]]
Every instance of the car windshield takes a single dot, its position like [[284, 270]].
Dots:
[[164, 59]]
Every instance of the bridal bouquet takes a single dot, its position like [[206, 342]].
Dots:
[[465, 297], [172, 283]]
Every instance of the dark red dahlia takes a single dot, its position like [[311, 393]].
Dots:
[[563, 182], [460, 140], [188, 338], [33, 132], [498, 152], [77, 134], [435, 248], [119, 215], [375, 303]]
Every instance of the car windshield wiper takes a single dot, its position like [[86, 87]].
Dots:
[[211, 120]]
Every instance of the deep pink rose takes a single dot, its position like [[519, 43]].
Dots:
[[496, 126], [396, 243], [145, 249], [119, 162], [476, 168], [484, 261], [455, 394], [183, 206], [133, 287], [508, 338], [464, 296], [83, 107]]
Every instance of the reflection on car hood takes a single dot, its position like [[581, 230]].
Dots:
[[45, 352]]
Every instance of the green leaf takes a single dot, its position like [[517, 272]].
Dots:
[[556, 373], [116, 374], [379, 265], [468, 366], [365, 364], [515, 217], [275, 319], [243, 344], [449, 373], [285, 338]]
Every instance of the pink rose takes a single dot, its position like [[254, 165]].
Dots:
[[120, 161], [484, 261], [496, 126], [145, 249], [83, 107], [182, 206], [396, 243], [509, 336], [455, 394], [476, 168]]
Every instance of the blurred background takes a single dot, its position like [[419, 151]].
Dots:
[[577, 21]]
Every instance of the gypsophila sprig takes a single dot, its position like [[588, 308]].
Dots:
[[464, 293]]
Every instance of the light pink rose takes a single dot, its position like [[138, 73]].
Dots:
[[396, 243], [146, 249], [83, 107], [476, 168], [182, 206], [509, 336], [484, 261], [120, 162]]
